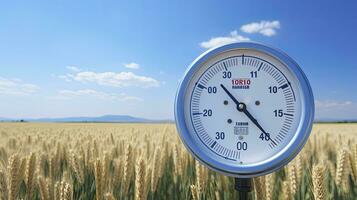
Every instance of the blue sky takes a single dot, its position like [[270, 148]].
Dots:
[[90, 58]]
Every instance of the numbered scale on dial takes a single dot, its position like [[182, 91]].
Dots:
[[244, 109]]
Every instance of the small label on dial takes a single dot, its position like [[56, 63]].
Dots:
[[241, 128], [241, 83]]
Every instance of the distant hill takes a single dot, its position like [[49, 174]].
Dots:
[[333, 120], [131, 119], [105, 118], [4, 119]]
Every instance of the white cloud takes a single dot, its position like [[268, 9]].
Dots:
[[67, 77], [89, 93], [16, 87], [120, 79], [266, 28], [132, 65], [217, 41], [73, 68], [332, 104]]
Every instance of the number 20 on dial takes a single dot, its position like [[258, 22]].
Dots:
[[244, 109]]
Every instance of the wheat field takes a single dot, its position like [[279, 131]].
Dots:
[[147, 161]]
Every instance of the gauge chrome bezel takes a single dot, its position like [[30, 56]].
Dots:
[[287, 153]]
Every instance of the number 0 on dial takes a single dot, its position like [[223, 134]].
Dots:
[[244, 109]]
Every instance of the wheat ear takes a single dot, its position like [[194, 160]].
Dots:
[[177, 161], [318, 182], [194, 192], [199, 178], [286, 189], [299, 168], [140, 174], [128, 164], [109, 196], [78, 171], [52, 167], [66, 191], [292, 180], [341, 166], [269, 186], [14, 176]]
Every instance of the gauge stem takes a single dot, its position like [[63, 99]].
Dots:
[[243, 186]]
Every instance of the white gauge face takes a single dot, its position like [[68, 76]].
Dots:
[[242, 107]]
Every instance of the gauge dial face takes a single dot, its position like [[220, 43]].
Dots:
[[242, 107]]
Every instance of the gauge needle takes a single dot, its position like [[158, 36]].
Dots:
[[241, 107], [230, 95]]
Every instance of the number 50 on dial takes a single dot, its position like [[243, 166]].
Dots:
[[244, 109]]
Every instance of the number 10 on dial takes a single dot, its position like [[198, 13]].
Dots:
[[244, 109]]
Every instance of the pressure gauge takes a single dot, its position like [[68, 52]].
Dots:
[[244, 109]]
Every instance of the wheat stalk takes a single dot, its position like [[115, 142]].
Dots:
[[95, 150], [88, 155], [3, 186], [332, 169], [98, 172], [22, 169], [117, 172], [156, 169], [43, 188], [40, 169], [147, 180], [57, 191], [177, 162], [259, 187], [354, 161], [52, 167], [105, 175], [3, 156]]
